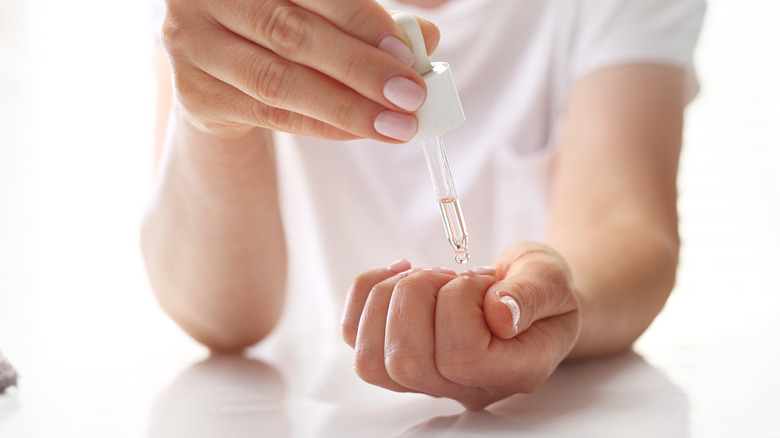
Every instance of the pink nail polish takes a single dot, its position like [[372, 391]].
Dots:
[[484, 270], [514, 309], [404, 92], [398, 266], [398, 49], [395, 125]]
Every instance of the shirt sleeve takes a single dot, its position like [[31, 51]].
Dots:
[[613, 32]]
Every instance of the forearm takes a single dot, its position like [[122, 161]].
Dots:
[[213, 240], [613, 202], [623, 274]]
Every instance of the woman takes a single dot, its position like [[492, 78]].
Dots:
[[566, 170]]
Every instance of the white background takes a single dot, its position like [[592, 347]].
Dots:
[[78, 321]]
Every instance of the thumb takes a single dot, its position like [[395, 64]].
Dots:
[[430, 32], [504, 314], [537, 286]]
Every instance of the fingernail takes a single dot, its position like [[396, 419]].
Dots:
[[484, 270], [398, 49], [411, 271], [514, 309], [398, 266], [444, 270], [395, 125], [404, 92]]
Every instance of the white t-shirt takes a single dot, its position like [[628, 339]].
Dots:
[[360, 205]]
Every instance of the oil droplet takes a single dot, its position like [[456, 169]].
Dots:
[[461, 256]]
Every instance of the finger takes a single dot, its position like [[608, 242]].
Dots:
[[462, 335], [368, 21], [536, 285], [430, 31], [219, 105], [410, 338], [523, 363], [358, 294], [282, 84], [469, 355], [306, 38], [370, 339]]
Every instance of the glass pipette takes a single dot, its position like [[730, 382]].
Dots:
[[440, 113], [449, 206]]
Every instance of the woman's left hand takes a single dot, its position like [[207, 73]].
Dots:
[[477, 337]]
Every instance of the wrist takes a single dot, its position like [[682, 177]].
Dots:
[[228, 131], [229, 147], [206, 162]]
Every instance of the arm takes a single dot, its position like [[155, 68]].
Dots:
[[613, 213], [492, 332], [212, 238]]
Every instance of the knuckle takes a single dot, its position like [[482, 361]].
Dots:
[[349, 332], [270, 84], [189, 86], [364, 282], [365, 21], [371, 315], [557, 277], [200, 97], [461, 367], [176, 30], [405, 367], [345, 111], [359, 64], [171, 32], [359, 17], [369, 366], [270, 117], [175, 38], [284, 27], [530, 296], [171, 24], [188, 92], [412, 282], [554, 290]]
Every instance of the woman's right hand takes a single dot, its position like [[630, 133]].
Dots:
[[323, 68]]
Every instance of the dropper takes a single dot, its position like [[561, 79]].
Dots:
[[449, 205], [440, 113]]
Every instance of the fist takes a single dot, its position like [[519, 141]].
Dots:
[[476, 337]]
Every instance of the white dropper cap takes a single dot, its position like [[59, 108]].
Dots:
[[441, 112]]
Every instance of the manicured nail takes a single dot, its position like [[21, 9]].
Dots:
[[395, 125], [443, 270], [484, 270], [398, 49], [404, 92], [398, 266], [514, 309]]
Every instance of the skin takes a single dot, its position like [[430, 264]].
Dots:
[[214, 244], [212, 238]]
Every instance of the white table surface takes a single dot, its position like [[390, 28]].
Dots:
[[98, 358]]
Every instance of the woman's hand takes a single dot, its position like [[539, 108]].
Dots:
[[322, 68], [477, 337]]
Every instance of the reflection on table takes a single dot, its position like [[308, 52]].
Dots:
[[242, 396]]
